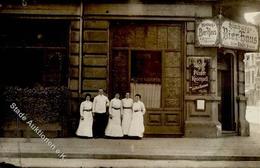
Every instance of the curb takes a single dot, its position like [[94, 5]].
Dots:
[[132, 156]]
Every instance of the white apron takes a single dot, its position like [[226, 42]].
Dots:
[[114, 128], [85, 125], [137, 123], [127, 114]]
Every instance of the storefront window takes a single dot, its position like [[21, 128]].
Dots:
[[146, 75]]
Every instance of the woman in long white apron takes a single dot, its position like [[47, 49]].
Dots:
[[127, 103], [137, 124], [114, 129], [86, 118]]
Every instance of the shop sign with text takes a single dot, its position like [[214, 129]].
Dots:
[[238, 36], [199, 74], [226, 33], [207, 33]]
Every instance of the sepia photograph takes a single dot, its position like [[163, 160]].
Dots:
[[129, 84]]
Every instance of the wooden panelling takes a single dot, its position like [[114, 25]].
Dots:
[[173, 59], [162, 37], [119, 72], [173, 72], [174, 38], [139, 37], [165, 39], [151, 37], [155, 119], [172, 119]]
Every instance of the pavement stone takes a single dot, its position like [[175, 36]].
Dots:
[[226, 151]]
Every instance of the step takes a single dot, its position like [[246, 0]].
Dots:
[[133, 156], [79, 163]]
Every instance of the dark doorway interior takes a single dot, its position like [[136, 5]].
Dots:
[[225, 91]]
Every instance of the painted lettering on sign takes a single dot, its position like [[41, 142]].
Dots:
[[239, 36], [199, 74], [207, 33]]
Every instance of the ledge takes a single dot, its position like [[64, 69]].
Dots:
[[204, 97]]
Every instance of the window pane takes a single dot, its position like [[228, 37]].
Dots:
[[146, 74], [146, 66]]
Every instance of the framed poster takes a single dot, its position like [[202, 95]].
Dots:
[[199, 74]]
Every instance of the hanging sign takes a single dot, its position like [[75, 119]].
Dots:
[[238, 36], [199, 74], [207, 33], [226, 33]]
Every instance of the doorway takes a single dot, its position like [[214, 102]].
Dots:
[[147, 58], [226, 92]]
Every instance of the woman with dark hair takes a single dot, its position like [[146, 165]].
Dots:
[[86, 118], [114, 129], [136, 129]]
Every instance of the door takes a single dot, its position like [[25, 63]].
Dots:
[[225, 91], [147, 58]]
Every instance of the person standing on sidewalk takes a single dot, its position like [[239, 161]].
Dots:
[[136, 129], [100, 105], [114, 129], [86, 118], [127, 103]]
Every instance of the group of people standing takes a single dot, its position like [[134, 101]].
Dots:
[[123, 119]]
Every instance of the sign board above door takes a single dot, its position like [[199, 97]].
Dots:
[[226, 33]]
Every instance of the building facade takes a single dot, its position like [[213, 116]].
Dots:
[[252, 75], [146, 48]]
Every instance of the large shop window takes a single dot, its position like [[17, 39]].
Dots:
[[146, 76], [33, 53]]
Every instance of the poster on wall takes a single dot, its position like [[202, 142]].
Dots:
[[199, 74], [238, 36], [207, 33]]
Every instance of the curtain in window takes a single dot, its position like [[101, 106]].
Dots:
[[151, 94]]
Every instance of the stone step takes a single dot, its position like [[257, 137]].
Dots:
[[133, 156], [79, 163]]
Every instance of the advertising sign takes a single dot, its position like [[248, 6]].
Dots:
[[226, 33], [199, 74], [238, 36], [207, 33]]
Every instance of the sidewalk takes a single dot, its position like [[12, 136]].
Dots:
[[228, 151], [20, 151]]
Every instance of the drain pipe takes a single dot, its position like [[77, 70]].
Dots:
[[81, 47]]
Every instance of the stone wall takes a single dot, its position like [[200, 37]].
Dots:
[[95, 56], [201, 123]]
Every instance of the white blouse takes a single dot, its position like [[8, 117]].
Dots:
[[85, 106]]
